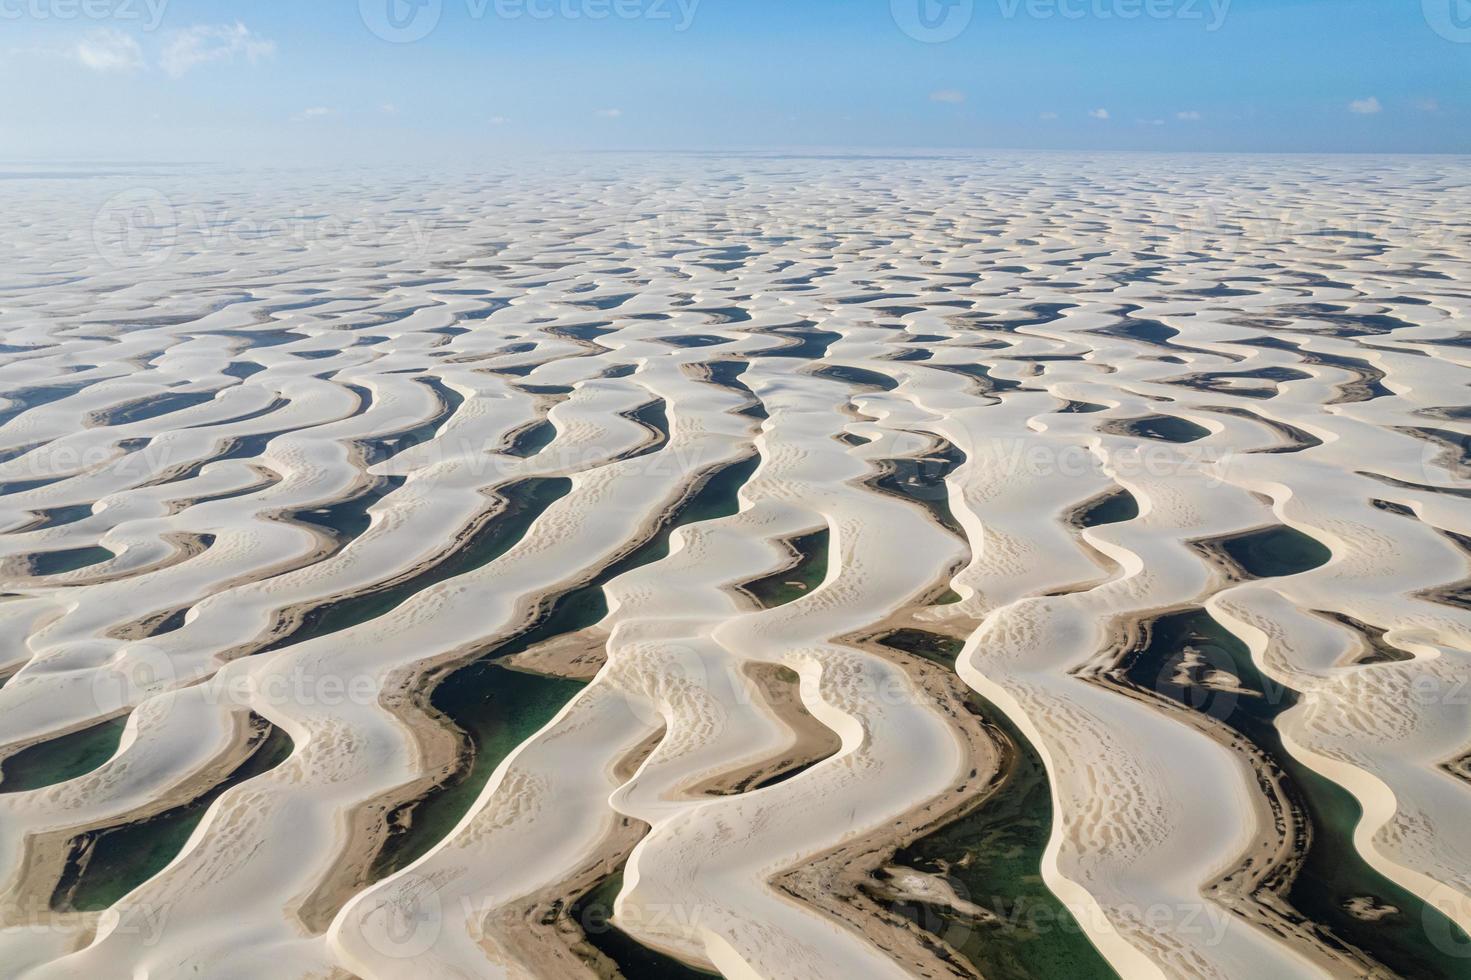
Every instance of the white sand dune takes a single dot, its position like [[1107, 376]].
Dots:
[[287, 475]]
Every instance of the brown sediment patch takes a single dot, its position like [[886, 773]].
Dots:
[[922, 481], [726, 373], [843, 882], [539, 929], [1077, 516], [1109, 568], [324, 547], [1369, 909], [1261, 384], [1367, 378], [1224, 570], [473, 358], [44, 856], [1372, 647], [778, 688], [1452, 449], [1459, 767], [183, 546], [1390, 507], [288, 620], [267, 477], [1164, 428], [653, 418], [529, 438], [442, 750], [705, 370], [801, 572], [182, 472], [1421, 487], [930, 612], [1153, 333], [150, 625], [624, 770], [1294, 440], [522, 370], [575, 656], [1265, 552], [1457, 593], [1255, 888]]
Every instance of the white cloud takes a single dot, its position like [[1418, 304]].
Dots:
[[109, 50], [389, 108], [498, 120], [1189, 115], [1366, 107], [1098, 113], [205, 44], [1049, 116], [315, 112], [1428, 105], [609, 113], [951, 95]]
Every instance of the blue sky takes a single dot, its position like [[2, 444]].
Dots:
[[287, 81]]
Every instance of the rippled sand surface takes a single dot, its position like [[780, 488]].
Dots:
[[769, 566]]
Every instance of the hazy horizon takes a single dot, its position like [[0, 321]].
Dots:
[[393, 80]]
